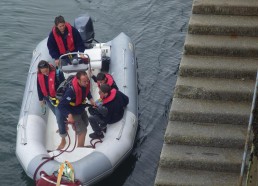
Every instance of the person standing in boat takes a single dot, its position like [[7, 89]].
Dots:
[[105, 78], [111, 110], [48, 80], [73, 104], [64, 38]]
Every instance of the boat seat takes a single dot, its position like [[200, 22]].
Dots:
[[95, 57]]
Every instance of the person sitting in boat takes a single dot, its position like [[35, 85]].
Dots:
[[48, 80], [111, 110], [63, 39], [103, 78], [73, 104]]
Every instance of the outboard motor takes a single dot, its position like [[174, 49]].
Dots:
[[84, 25]]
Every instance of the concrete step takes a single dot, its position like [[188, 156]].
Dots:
[[218, 67], [206, 134], [184, 177], [207, 111], [226, 7], [214, 88], [211, 45], [201, 158], [223, 25]]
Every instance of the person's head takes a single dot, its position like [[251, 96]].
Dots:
[[43, 67], [60, 23], [101, 78], [104, 90], [82, 78]]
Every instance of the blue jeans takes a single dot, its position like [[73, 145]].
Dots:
[[59, 118]]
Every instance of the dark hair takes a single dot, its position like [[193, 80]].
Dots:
[[43, 64], [80, 73], [105, 88], [59, 19], [101, 76]]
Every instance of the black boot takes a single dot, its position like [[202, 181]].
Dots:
[[96, 135], [103, 128]]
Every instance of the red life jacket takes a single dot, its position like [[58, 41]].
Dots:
[[78, 91], [51, 82], [110, 80], [111, 97], [69, 39]]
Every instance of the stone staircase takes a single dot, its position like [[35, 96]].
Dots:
[[205, 135]]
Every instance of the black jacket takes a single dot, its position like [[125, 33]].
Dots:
[[115, 108]]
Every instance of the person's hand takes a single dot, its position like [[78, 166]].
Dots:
[[43, 107], [92, 102], [57, 62], [73, 127], [70, 119], [82, 56], [90, 70], [42, 103]]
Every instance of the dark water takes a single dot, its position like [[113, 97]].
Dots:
[[158, 30]]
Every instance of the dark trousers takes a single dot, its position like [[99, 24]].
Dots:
[[97, 123]]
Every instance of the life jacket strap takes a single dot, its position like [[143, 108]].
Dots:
[[73, 103], [54, 101]]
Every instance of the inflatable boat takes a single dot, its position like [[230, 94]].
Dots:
[[37, 139]]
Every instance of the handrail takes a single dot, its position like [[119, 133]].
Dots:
[[124, 85], [70, 53], [248, 132], [25, 108]]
